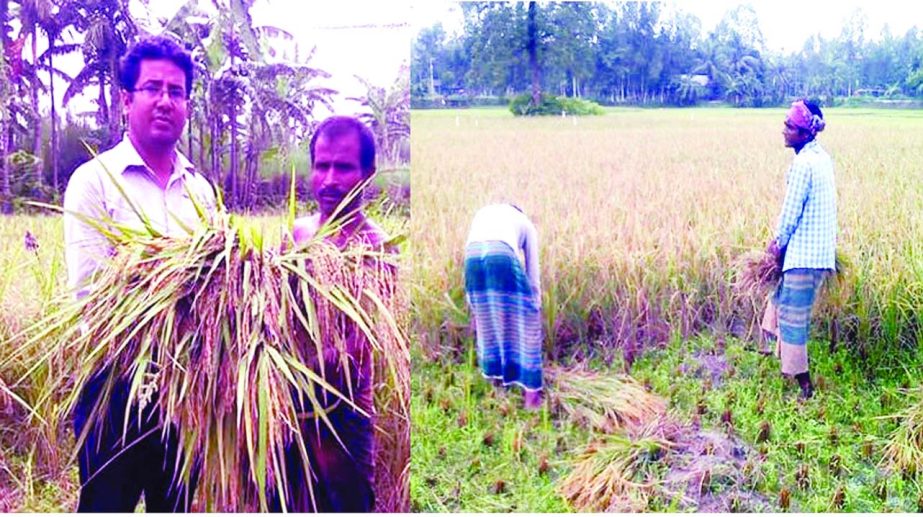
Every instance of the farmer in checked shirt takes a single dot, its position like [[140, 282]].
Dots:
[[805, 242]]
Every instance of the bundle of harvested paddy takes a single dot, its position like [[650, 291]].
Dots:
[[904, 449], [756, 272], [613, 476], [239, 341], [603, 402]]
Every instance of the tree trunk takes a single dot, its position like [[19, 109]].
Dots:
[[212, 137], [115, 112], [102, 113], [189, 140], [37, 135], [253, 165], [532, 48], [6, 205], [210, 174], [231, 183], [54, 115]]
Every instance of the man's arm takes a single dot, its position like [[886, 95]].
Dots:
[[533, 269], [84, 246], [798, 184]]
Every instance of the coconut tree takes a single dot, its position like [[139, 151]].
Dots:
[[713, 63], [243, 103], [108, 28], [34, 15], [54, 28]]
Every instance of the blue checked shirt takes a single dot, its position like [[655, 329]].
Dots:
[[807, 224]]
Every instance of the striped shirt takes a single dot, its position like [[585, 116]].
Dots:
[[91, 192], [807, 224]]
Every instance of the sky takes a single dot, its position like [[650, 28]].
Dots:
[[786, 24], [372, 38], [352, 37]]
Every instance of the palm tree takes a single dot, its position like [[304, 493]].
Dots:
[[688, 89], [34, 15], [54, 27], [283, 99], [389, 113], [713, 63], [108, 28]]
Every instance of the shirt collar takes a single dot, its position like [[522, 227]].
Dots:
[[129, 158]]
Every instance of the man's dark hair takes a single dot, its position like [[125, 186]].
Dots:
[[154, 48], [814, 106], [339, 126]]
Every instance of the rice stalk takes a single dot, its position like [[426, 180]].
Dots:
[[903, 452], [603, 402], [612, 477], [756, 272], [239, 341]]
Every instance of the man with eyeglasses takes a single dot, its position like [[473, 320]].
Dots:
[[144, 171]]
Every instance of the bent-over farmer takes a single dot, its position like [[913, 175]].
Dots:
[[503, 289]]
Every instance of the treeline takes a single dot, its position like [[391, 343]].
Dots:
[[252, 107], [644, 53]]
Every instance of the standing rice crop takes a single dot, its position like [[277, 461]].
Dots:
[[641, 215], [239, 340]]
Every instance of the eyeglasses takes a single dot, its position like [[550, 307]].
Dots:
[[153, 92]]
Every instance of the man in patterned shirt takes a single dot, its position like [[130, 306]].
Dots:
[[805, 242]]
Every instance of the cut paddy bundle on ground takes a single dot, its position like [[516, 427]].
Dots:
[[640, 452], [615, 475], [604, 403], [903, 452], [239, 341]]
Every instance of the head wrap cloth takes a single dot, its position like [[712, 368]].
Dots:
[[800, 116]]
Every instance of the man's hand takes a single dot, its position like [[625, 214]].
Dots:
[[773, 249]]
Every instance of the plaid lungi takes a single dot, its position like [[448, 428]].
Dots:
[[788, 316], [507, 318]]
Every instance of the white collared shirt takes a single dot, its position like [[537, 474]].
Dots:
[[505, 223], [92, 193]]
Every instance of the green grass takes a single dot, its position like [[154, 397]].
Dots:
[[850, 401], [453, 469]]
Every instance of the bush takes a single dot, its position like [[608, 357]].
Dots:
[[552, 105]]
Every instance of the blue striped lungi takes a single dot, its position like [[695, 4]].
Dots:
[[788, 316], [507, 318]]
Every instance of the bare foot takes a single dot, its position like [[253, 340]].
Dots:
[[532, 399]]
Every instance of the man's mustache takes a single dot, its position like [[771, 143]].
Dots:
[[331, 192]]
